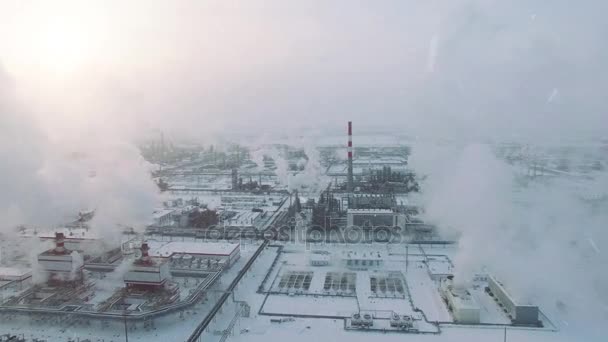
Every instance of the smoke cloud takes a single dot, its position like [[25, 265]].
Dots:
[[539, 236], [49, 176]]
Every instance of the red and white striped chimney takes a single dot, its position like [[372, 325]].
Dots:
[[59, 244], [349, 186], [145, 256], [144, 250]]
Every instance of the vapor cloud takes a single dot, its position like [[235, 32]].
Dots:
[[48, 176], [539, 236]]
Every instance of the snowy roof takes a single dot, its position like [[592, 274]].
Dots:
[[462, 299], [369, 211], [69, 233], [187, 247], [14, 272], [439, 266], [380, 160], [162, 212]]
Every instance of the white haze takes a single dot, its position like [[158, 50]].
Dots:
[[311, 178], [463, 70], [49, 175], [540, 238], [274, 66], [115, 279]]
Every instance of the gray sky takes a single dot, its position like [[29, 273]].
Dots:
[[465, 68]]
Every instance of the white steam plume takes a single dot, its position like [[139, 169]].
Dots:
[[115, 279], [49, 175], [534, 236]]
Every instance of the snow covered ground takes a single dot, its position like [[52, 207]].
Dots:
[[172, 327], [258, 326]]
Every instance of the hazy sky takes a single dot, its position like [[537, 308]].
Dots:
[[88, 76], [471, 68]]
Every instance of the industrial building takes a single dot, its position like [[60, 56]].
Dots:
[[14, 274], [60, 265], [519, 313], [146, 272], [372, 201], [224, 253], [373, 218], [163, 217], [463, 306]]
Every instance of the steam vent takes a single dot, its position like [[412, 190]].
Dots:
[[147, 273], [60, 265]]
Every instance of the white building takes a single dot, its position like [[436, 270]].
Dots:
[[520, 313], [60, 264], [463, 306], [147, 272], [225, 252], [154, 275], [14, 274], [163, 217], [372, 218]]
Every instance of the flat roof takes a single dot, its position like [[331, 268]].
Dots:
[[14, 272], [167, 249], [69, 233], [463, 299], [158, 213], [369, 211]]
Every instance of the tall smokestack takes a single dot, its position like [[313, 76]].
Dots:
[[349, 186], [59, 244], [145, 255]]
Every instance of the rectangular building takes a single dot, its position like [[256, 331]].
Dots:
[[153, 274], [460, 302], [371, 218], [14, 274], [225, 252], [520, 313]]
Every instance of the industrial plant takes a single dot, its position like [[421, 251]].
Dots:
[[237, 243]]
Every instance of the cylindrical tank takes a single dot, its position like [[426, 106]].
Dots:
[[176, 259], [187, 260]]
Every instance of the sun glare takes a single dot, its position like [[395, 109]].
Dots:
[[63, 47], [58, 38]]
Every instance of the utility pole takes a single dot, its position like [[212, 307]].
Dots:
[[505, 336]]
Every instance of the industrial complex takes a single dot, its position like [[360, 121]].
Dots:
[[243, 248]]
